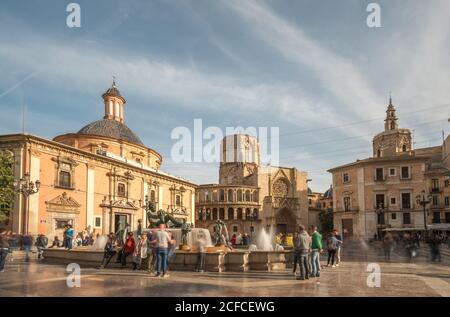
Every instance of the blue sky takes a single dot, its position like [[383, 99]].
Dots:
[[312, 68]]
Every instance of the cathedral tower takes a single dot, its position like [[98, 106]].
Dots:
[[393, 140]]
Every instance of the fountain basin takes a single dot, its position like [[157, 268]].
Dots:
[[267, 261], [236, 261]]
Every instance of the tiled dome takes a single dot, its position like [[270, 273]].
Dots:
[[112, 129]]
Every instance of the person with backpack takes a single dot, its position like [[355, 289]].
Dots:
[[340, 241], [332, 245]]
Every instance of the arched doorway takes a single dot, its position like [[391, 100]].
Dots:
[[286, 221]]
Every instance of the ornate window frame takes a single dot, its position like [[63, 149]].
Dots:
[[64, 164]]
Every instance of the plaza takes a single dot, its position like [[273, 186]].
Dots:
[[398, 278]]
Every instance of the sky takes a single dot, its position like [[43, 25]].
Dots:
[[312, 68]]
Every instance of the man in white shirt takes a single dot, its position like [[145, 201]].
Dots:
[[163, 242]]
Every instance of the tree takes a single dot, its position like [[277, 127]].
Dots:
[[7, 190], [326, 220]]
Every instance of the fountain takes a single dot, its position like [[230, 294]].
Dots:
[[263, 255], [99, 243], [265, 240]]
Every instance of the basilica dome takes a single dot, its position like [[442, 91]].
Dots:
[[112, 129]]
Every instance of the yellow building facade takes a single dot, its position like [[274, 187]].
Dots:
[[97, 178]]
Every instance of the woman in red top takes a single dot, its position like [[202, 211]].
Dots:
[[128, 248]]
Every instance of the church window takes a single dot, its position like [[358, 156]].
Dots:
[[404, 148], [280, 188], [239, 195], [178, 200], [153, 195], [230, 195], [222, 195], [247, 195], [64, 179]]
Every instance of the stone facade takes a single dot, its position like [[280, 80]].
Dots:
[[380, 192], [249, 196], [96, 180]]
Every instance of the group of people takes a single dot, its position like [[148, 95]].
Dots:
[[157, 246], [411, 243], [240, 239], [308, 245], [11, 242]]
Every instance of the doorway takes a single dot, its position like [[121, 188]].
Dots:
[[120, 221], [347, 227]]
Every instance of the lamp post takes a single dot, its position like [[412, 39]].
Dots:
[[26, 187], [424, 201]]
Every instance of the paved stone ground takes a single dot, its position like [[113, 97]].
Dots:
[[397, 279]]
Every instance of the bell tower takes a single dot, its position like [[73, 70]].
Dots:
[[113, 103], [391, 118], [393, 140]]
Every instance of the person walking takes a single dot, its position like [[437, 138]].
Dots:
[[109, 250], [4, 250], [316, 249], [201, 243], [41, 245], [332, 244], [162, 240], [128, 248], [27, 243], [388, 244], [140, 252], [339, 247], [302, 248], [435, 244]]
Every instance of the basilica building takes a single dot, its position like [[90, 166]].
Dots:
[[250, 196], [97, 178]]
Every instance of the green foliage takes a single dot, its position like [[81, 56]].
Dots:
[[7, 191], [326, 220]]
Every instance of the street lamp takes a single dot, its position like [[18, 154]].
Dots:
[[26, 187], [424, 201]]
